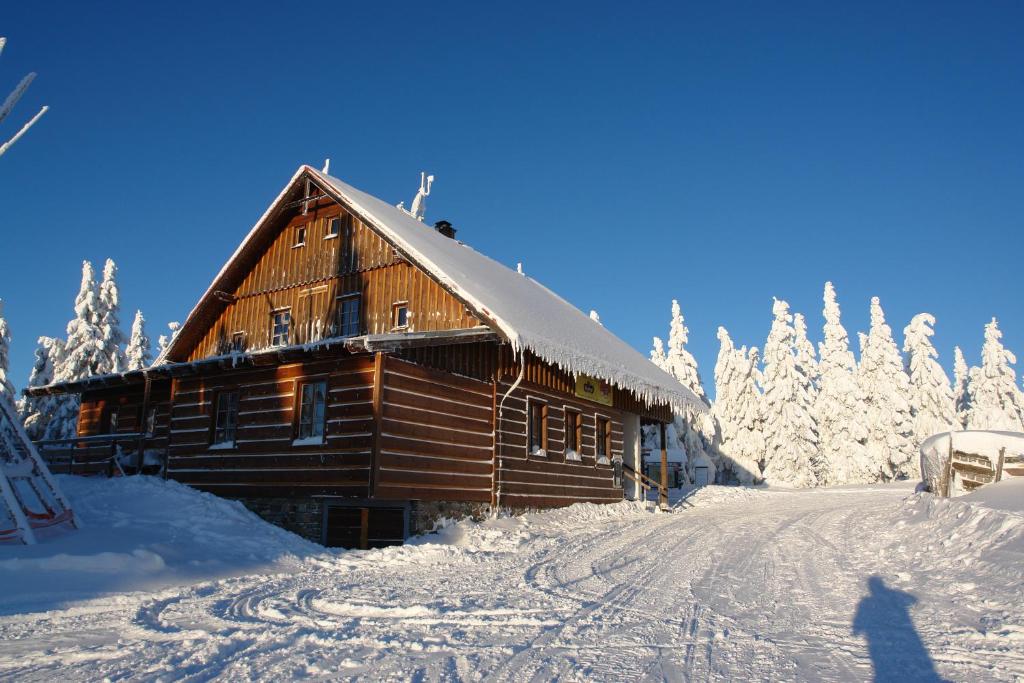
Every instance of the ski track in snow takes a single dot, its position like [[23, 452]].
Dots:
[[752, 587]]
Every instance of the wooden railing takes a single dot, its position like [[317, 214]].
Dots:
[[646, 483], [89, 455]]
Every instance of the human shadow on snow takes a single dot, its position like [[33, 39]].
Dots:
[[896, 650]]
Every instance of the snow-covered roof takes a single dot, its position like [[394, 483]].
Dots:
[[528, 314]]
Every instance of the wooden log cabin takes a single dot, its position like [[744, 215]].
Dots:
[[353, 373]]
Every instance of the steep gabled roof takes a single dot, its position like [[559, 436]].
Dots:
[[528, 314]]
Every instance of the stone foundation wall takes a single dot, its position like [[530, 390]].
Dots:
[[301, 516], [425, 514]]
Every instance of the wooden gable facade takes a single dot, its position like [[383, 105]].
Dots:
[[349, 420]]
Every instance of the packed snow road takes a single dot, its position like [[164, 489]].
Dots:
[[735, 584]]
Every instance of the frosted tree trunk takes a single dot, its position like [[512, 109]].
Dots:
[[6, 388], [11, 100]]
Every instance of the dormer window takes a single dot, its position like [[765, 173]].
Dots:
[[400, 315], [300, 236]]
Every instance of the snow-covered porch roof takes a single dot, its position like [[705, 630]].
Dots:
[[524, 312]]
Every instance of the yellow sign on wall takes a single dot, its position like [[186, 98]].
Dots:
[[593, 389]]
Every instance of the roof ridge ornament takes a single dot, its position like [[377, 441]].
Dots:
[[327, 166], [419, 203]]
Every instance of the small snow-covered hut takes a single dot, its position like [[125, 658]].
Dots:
[[352, 373]]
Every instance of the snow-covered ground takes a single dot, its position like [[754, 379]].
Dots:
[[745, 584]]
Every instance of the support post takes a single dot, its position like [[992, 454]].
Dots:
[[663, 486], [141, 428], [999, 466]]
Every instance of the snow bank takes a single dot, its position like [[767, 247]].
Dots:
[[984, 529], [140, 533], [935, 451], [1006, 495]]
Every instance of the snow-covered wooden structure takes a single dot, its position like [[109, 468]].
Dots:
[[955, 463], [352, 373]]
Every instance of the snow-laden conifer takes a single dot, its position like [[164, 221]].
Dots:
[[36, 411], [961, 387], [82, 356], [839, 413], [693, 429], [805, 356], [885, 388], [164, 340], [137, 354], [680, 363], [108, 318], [996, 401], [736, 410], [786, 407], [931, 397], [6, 388]]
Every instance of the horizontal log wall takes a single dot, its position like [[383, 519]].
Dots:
[[436, 437], [531, 480], [308, 279], [265, 462]]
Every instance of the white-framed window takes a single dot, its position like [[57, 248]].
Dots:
[[312, 409], [225, 425], [300, 236], [347, 323], [333, 227], [280, 326], [537, 428], [400, 315]]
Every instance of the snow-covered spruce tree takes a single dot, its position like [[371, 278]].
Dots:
[[790, 436], [735, 410], [164, 340], [961, 387], [658, 354], [996, 401], [112, 357], [805, 356], [694, 429], [83, 355], [6, 388], [931, 398], [36, 411], [839, 413], [885, 388], [137, 355]]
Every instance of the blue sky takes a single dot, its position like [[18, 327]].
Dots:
[[627, 154]]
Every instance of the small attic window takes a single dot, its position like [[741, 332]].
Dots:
[[300, 236], [400, 315]]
